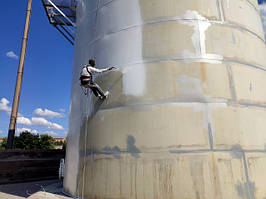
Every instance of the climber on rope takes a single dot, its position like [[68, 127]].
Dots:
[[86, 79]]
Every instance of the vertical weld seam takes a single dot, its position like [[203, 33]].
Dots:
[[96, 17], [85, 148], [221, 10], [231, 81], [250, 195], [210, 135], [200, 38]]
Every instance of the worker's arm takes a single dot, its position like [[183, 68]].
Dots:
[[96, 70]]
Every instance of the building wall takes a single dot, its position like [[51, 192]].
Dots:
[[186, 113]]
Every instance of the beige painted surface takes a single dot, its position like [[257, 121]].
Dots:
[[186, 115], [166, 175], [151, 176], [156, 9], [177, 81], [233, 44], [236, 12], [229, 175], [239, 126], [256, 163], [167, 40], [249, 84], [185, 124]]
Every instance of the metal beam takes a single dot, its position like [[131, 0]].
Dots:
[[67, 32], [47, 5], [73, 24], [64, 34]]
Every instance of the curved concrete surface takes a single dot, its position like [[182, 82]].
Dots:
[[186, 115]]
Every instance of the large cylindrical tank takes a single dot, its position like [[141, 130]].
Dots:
[[186, 114]]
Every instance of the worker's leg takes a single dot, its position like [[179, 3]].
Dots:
[[98, 89], [94, 90]]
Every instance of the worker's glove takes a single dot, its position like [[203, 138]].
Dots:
[[111, 68]]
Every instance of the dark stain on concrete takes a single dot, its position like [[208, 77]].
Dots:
[[114, 151], [131, 147], [246, 190], [237, 152]]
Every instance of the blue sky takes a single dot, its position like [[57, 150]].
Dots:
[[45, 93], [47, 71]]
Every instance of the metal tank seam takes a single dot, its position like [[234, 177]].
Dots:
[[231, 81], [196, 59], [174, 19], [210, 135], [221, 10], [180, 151], [262, 68], [111, 1], [243, 103], [177, 103], [87, 118], [251, 196]]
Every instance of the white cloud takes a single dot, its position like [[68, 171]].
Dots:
[[24, 121], [1, 132], [4, 105], [34, 121], [51, 133], [12, 55], [47, 113], [62, 110], [263, 16], [39, 121], [20, 130]]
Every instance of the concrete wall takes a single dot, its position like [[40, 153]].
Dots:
[[186, 115]]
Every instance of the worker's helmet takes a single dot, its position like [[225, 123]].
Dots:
[[92, 62]]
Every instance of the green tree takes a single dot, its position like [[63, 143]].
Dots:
[[58, 143], [46, 142], [64, 145], [27, 141], [3, 144]]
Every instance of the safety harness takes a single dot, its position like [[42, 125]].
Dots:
[[82, 77]]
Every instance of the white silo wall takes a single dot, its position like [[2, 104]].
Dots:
[[186, 114]]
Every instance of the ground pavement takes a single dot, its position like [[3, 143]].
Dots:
[[49, 189]]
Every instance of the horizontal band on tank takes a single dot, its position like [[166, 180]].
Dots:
[[245, 64], [166, 20], [195, 59], [243, 103], [177, 102], [111, 1], [90, 152]]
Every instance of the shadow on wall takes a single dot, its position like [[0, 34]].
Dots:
[[131, 148]]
